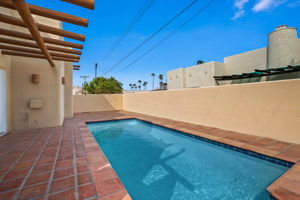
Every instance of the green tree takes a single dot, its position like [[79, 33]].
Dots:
[[153, 75], [102, 85], [145, 85], [130, 85]]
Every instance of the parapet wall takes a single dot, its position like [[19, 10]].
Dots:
[[97, 102], [268, 109]]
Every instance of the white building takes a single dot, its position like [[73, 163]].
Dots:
[[283, 49]]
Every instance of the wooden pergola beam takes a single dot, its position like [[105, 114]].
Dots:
[[37, 10], [41, 27], [25, 14], [35, 51], [33, 45], [90, 4], [46, 39], [30, 55], [76, 66]]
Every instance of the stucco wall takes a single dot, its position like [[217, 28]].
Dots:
[[20, 89], [202, 75], [176, 79], [283, 48], [49, 89], [97, 102], [68, 91], [246, 62], [268, 109]]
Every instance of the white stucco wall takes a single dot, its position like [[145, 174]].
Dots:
[[283, 50], [176, 79], [246, 62], [202, 75]]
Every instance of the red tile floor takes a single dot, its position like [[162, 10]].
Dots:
[[67, 163]]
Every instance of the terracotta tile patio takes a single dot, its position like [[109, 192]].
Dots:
[[67, 163]]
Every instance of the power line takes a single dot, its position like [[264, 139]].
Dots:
[[152, 36], [134, 21], [168, 36]]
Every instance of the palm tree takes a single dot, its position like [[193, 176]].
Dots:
[[199, 62], [130, 85], [160, 77], [140, 84], [153, 80], [145, 85], [134, 86]]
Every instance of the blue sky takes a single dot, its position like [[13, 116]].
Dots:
[[225, 28]]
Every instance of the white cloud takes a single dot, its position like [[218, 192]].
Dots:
[[238, 14], [262, 5], [239, 5]]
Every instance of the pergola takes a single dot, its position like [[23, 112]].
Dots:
[[42, 47]]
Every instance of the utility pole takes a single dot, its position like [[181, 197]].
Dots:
[[96, 66], [84, 82]]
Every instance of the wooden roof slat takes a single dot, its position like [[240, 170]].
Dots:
[[35, 51], [25, 14], [90, 4], [47, 40], [30, 55], [33, 45], [78, 66], [41, 27], [37, 10]]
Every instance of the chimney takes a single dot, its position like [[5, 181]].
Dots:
[[281, 27]]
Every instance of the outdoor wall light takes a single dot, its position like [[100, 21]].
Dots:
[[63, 80], [35, 78]]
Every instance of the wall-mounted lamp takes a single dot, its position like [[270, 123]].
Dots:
[[63, 80], [35, 78]]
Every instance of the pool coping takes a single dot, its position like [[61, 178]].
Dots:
[[285, 187]]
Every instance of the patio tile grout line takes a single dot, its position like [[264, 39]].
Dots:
[[91, 172], [17, 160], [2, 156], [32, 167], [54, 164], [75, 164]]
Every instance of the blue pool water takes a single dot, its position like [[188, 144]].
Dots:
[[155, 163]]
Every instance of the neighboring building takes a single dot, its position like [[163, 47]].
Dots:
[[77, 90], [283, 49]]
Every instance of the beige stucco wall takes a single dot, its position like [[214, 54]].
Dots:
[[68, 91], [268, 109], [97, 102], [49, 89], [20, 89]]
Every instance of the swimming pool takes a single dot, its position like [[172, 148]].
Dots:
[[155, 163]]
